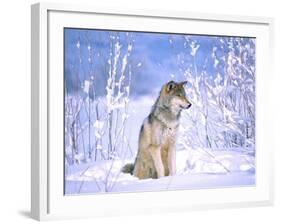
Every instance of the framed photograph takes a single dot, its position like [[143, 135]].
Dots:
[[161, 111]]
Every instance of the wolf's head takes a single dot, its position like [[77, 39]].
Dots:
[[174, 97]]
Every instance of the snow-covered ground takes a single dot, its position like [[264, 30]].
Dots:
[[195, 169]]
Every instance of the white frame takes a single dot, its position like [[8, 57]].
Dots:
[[45, 204]]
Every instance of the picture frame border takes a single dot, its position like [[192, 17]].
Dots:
[[40, 178]]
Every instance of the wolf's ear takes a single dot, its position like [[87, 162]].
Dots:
[[170, 85], [183, 83]]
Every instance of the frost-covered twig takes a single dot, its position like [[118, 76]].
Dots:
[[215, 159], [82, 183]]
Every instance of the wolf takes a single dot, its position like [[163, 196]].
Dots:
[[156, 156]]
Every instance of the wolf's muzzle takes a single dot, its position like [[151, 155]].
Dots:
[[186, 107]]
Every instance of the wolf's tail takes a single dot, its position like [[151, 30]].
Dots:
[[128, 168]]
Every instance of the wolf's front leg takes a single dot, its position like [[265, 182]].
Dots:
[[172, 160], [155, 152]]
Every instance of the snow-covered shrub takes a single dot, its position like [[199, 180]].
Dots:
[[223, 111]]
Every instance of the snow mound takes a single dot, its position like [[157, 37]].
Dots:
[[195, 169]]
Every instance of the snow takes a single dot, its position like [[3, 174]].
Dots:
[[78, 45], [99, 124], [99, 146], [194, 171], [194, 48], [86, 86], [97, 135], [130, 47], [216, 62]]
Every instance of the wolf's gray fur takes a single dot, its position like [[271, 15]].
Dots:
[[156, 155]]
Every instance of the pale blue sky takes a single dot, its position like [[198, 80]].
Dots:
[[162, 57]]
